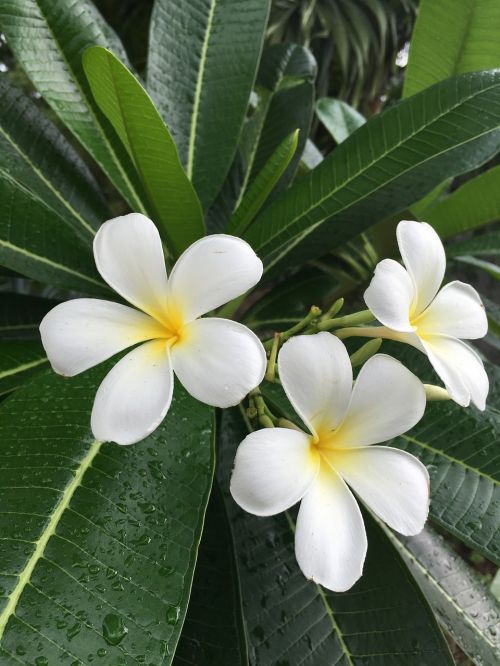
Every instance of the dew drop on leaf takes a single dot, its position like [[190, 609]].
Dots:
[[113, 629]]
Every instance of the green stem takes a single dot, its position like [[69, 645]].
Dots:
[[314, 312], [353, 319], [271, 364]]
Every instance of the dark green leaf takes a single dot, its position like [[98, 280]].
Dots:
[[19, 361], [99, 540], [492, 269], [48, 38], [213, 633], [35, 242], [203, 57], [488, 244], [388, 163], [21, 314], [143, 133], [381, 621], [473, 205], [262, 186], [340, 119], [463, 605], [36, 154], [452, 38]]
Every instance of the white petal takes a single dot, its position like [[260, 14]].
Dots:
[[392, 483], [81, 333], [135, 395], [273, 469], [316, 374], [390, 295], [330, 537], [457, 310], [219, 361], [129, 256], [211, 272], [423, 255], [460, 369], [387, 400]]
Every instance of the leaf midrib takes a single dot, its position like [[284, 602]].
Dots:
[[22, 367], [49, 530]]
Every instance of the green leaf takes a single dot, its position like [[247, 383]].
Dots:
[[488, 244], [213, 633], [452, 38], [340, 119], [21, 314], [99, 541], [293, 621], [35, 242], [492, 269], [463, 605], [19, 361], [48, 38], [36, 154], [203, 58], [388, 163], [474, 204], [262, 186], [143, 133]]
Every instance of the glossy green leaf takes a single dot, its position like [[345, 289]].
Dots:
[[460, 450], [340, 119], [474, 204], [213, 633], [132, 113], [263, 185], [48, 38], [463, 605], [452, 38], [485, 244], [99, 541], [21, 314], [203, 57], [492, 269], [291, 620], [36, 154], [388, 163], [35, 242], [19, 361]]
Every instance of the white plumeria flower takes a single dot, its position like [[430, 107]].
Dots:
[[218, 361], [277, 467], [413, 310]]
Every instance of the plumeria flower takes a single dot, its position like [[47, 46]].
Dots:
[[277, 467], [408, 302], [216, 360]]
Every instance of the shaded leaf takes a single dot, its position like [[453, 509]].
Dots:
[[19, 361], [340, 119], [21, 314], [213, 632], [478, 245], [492, 269], [48, 38], [203, 57], [99, 540], [143, 133]]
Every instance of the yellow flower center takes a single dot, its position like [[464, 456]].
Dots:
[[169, 326]]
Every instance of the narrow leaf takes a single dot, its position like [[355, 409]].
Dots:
[[48, 38], [492, 269], [37, 155], [203, 57], [213, 633], [292, 620], [263, 185], [21, 314], [132, 113], [488, 244], [474, 204], [19, 361], [463, 605], [388, 163], [99, 541], [340, 119]]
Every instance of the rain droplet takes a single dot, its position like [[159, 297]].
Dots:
[[113, 629]]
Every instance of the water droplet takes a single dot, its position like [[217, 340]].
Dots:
[[73, 631], [173, 615], [113, 629], [41, 661]]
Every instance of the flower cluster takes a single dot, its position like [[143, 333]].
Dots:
[[220, 361]]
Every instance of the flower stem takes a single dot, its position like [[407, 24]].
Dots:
[[313, 313], [271, 364], [349, 320]]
